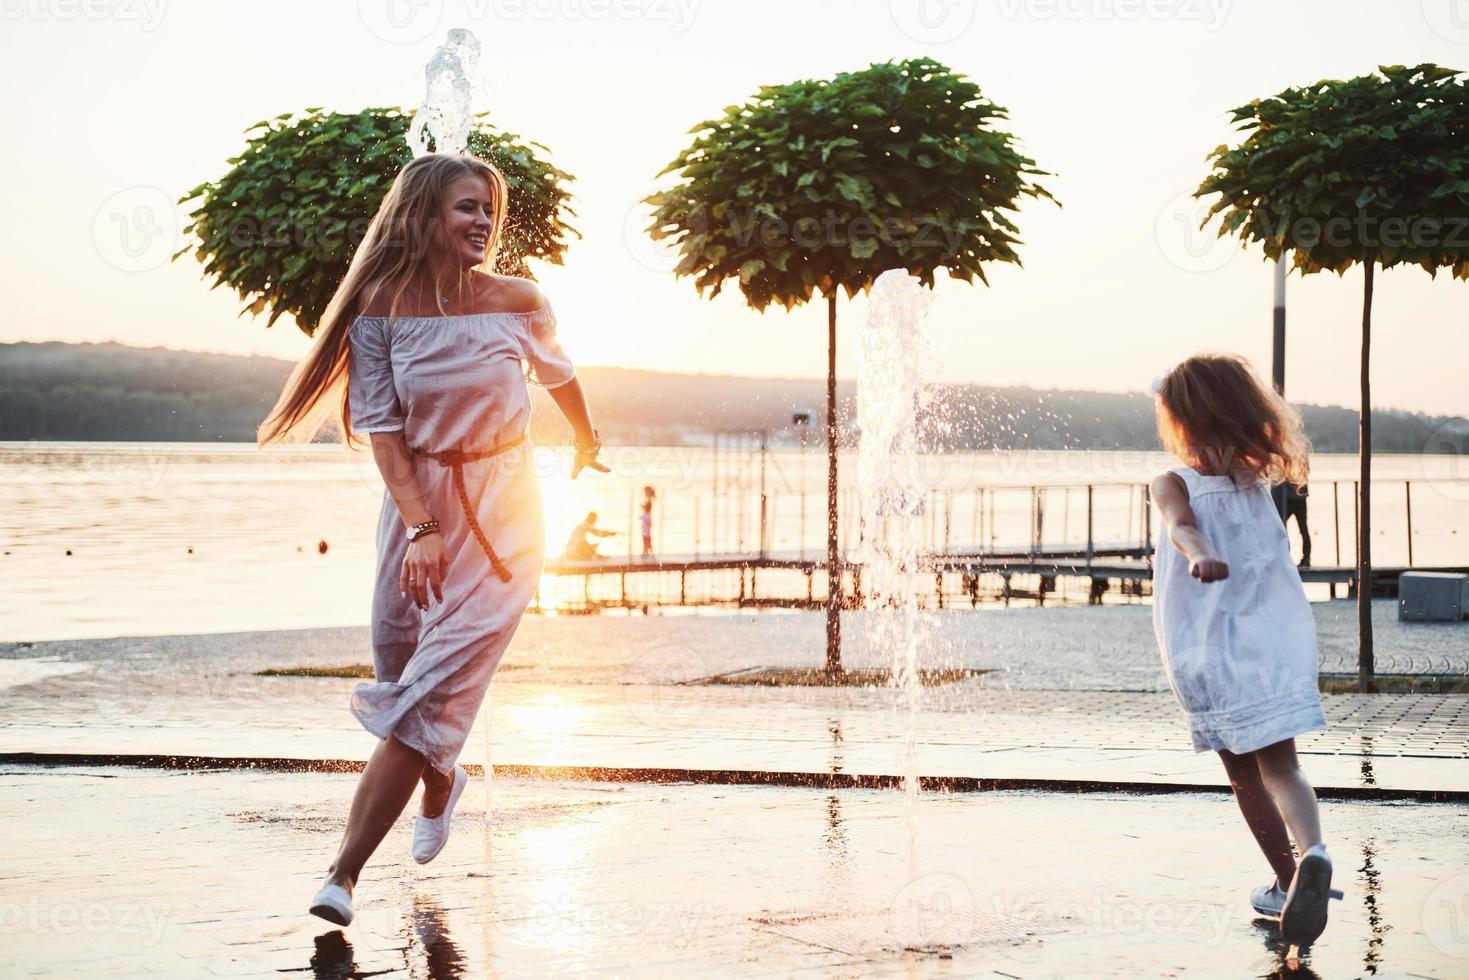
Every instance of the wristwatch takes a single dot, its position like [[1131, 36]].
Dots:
[[416, 531]]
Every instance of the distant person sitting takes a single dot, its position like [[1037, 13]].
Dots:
[[579, 545]]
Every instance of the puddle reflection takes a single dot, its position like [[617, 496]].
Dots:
[[1286, 968], [442, 957], [1371, 880], [334, 959]]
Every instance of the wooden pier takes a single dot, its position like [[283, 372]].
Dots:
[[773, 581], [968, 560]]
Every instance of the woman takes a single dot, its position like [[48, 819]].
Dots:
[[428, 346]]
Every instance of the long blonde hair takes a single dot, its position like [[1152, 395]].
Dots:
[[1215, 411], [393, 255]]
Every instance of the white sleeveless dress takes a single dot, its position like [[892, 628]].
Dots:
[[1240, 653]]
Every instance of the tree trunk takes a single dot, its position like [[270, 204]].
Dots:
[[1365, 666], [833, 559]]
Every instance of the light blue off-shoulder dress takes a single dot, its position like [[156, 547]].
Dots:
[[452, 383]]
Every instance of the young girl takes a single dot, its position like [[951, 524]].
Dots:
[[1232, 621]]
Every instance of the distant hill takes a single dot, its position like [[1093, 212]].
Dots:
[[57, 391]]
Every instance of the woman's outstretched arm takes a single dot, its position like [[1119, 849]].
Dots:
[[573, 404]]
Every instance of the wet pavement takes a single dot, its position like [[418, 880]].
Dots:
[[626, 838], [130, 872], [1064, 696]]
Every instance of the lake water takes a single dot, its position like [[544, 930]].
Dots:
[[189, 538]]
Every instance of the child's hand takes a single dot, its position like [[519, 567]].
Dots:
[[1209, 569]]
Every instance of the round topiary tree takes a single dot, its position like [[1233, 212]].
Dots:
[[1372, 171], [280, 227], [822, 185]]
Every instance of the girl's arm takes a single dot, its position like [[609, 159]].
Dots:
[[573, 404], [425, 563], [1171, 496]]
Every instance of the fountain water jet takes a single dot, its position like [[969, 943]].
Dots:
[[442, 123], [890, 382]]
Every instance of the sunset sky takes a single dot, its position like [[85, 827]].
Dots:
[[123, 105]]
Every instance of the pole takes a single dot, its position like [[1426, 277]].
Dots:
[[1277, 362], [1089, 541], [833, 565], [1408, 499], [714, 502], [1365, 665]]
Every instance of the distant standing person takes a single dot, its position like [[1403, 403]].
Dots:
[[427, 349], [1295, 506], [1236, 632], [645, 521], [579, 547]]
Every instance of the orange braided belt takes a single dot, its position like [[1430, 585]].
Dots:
[[456, 459]]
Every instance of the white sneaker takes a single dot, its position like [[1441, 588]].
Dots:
[[430, 834], [333, 904], [1268, 899], [1303, 916]]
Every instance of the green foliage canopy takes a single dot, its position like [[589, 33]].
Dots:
[[816, 185], [1373, 169], [280, 227]]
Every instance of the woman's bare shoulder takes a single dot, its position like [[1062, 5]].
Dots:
[[509, 294], [374, 301]]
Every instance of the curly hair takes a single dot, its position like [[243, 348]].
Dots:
[[1213, 410]]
